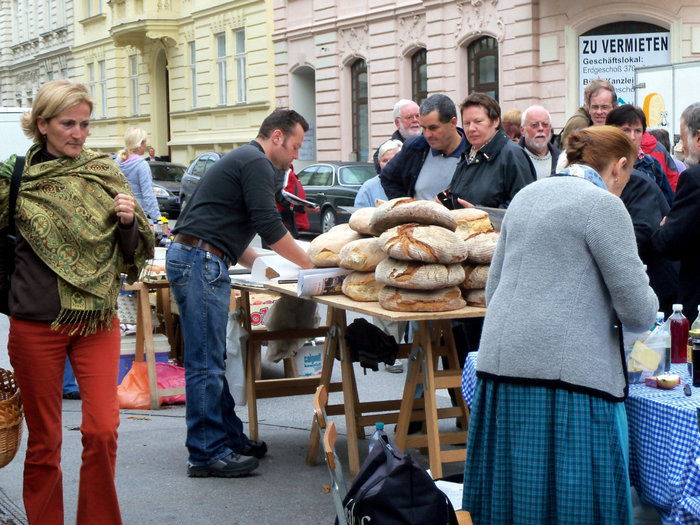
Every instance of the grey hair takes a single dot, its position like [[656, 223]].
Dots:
[[691, 118], [401, 103], [534, 106], [388, 146], [442, 104]]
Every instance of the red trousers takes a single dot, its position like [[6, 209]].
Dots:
[[38, 356]]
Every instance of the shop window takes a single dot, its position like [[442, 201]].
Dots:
[[419, 76]]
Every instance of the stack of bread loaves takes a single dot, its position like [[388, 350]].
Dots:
[[474, 227], [423, 269]]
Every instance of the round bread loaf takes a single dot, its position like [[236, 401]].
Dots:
[[324, 250], [476, 298], [416, 275], [359, 220], [481, 247], [442, 300], [362, 255], [406, 209], [431, 244], [475, 276], [361, 286], [470, 221]]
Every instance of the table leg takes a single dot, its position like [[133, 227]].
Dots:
[[243, 304], [330, 350], [350, 398], [144, 342], [415, 376], [431, 415]]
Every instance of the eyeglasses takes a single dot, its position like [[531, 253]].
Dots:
[[536, 125], [606, 107], [409, 118]]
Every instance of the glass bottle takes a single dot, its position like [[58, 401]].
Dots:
[[679, 335]]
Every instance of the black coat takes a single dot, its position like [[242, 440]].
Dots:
[[679, 238], [647, 207], [499, 170]]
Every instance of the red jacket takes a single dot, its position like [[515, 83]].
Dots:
[[294, 186], [651, 146]]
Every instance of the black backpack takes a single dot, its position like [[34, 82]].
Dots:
[[393, 489]]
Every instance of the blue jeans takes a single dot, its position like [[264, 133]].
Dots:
[[202, 288], [69, 384]]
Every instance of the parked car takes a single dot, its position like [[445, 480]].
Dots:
[[333, 186], [194, 173], [166, 184]]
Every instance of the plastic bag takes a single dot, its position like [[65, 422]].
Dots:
[[288, 313], [133, 392], [236, 340]]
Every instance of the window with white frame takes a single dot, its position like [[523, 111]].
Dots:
[[47, 14], [240, 66], [88, 8], [193, 73], [103, 88], [91, 79], [60, 13], [134, 74], [221, 67]]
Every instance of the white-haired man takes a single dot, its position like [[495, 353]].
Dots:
[[536, 131], [406, 114], [679, 236]]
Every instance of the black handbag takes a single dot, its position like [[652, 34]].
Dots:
[[393, 489], [9, 233]]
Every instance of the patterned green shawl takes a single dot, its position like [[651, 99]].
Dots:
[[65, 210]]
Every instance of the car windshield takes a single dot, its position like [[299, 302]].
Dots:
[[167, 172], [356, 175]]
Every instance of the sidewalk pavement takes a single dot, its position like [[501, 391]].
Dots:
[[151, 475]]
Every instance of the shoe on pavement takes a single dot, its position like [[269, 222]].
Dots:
[[253, 448], [231, 466], [396, 368], [72, 395]]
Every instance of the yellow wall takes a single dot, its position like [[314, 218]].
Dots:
[[158, 34]]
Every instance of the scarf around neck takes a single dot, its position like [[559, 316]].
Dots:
[[65, 211], [584, 172]]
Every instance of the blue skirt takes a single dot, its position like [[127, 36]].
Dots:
[[539, 455]]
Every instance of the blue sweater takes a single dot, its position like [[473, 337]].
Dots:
[[140, 179]]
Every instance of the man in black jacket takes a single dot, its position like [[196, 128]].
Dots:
[[679, 236], [406, 113], [424, 166], [536, 130]]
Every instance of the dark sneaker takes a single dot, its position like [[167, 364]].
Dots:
[[231, 466], [72, 395], [253, 448]]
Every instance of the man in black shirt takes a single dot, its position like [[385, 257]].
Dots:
[[230, 205]]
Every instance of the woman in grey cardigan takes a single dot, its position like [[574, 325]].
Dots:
[[548, 436]]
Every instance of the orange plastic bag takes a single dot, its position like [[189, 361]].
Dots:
[[133, 392]]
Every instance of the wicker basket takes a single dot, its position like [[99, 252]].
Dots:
[[11, 417]]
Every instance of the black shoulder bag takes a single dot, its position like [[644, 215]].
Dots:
[[9, 254]]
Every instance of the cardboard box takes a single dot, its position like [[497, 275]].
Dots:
[[128, 349]]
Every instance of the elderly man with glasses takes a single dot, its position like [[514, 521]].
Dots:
[[599, 99], [536, 131], [406, 114]]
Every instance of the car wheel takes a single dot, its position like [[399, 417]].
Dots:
[[327, 220]]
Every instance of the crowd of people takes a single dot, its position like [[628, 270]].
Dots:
[[601, 233]]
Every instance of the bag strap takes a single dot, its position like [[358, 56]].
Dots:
[[14, 190]]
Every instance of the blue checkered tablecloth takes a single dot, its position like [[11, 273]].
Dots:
[[664, 444]]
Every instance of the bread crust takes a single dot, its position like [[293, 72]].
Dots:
[[324, 250], [405, 209], [430, 244], [442, 300], [361, 286], [362, 255], [414, 275]]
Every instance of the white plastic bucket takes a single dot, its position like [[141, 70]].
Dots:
[[309, 360]]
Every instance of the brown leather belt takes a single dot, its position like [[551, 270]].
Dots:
[[189, 240]]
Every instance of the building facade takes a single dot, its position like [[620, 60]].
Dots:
[[194, 75], [35, 47], [345, 64]]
